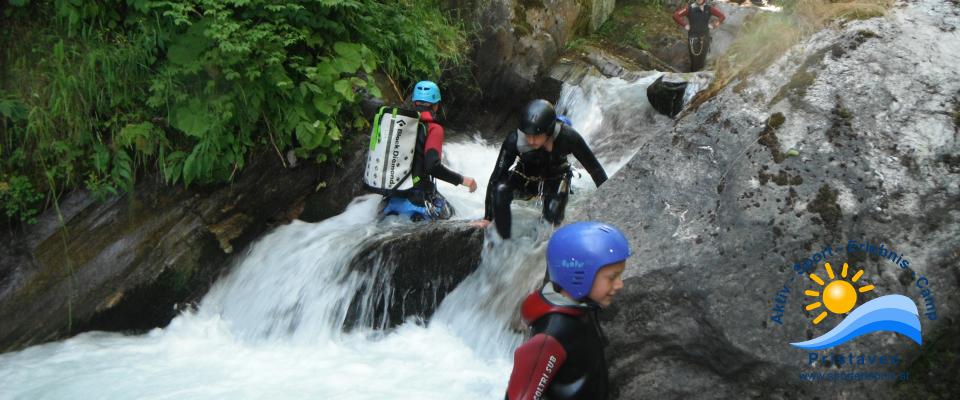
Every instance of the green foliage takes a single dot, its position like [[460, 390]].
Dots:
[[19, 199], [639, 24], [101, 91], [658, 4]]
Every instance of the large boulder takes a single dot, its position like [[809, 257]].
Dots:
[[416, 265], [517, 43], [129, 262], [723, 210]]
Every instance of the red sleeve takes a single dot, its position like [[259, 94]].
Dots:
[[717, 13], [535, 363], [434, 138], [679, 15]]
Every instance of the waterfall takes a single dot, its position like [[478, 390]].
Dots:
[[279, 324]]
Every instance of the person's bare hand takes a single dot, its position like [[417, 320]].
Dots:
[[480, 223], [470, 183], [686, 27]]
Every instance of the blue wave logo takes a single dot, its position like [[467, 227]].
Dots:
[[893, 313]]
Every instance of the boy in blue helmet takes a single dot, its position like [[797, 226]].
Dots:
[[563, 360], [424, 199]]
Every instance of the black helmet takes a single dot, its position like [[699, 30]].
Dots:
[[538, 118]]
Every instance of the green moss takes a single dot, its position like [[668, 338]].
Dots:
[[782, 178], [933, 374], [520, 25], [768, 137], [841, 124], [864, 34], [802, 79], [797, 86], [841, 48], [825, 204], [776, 120]]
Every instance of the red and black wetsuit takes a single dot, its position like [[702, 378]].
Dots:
[[427, 159], [533, 168], [698, 40], [564, 358]]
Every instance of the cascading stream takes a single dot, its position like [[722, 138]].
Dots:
[[274, 327]]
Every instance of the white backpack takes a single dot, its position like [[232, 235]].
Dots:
[[393, 144]]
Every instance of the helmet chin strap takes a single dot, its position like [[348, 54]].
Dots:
[[556, 130], [586, 300], [592, 304]]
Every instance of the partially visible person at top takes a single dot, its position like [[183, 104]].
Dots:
[[533, 163], [424, 198], [695, 19], [563, 360]]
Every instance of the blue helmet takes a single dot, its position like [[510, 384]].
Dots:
[[427, 92], [577, 251]]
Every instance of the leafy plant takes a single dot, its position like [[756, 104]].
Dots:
[[99, 93], [19, 198]]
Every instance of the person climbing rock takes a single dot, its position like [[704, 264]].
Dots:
[[563, 360], [698, 26], [413, 191], [533, 163]]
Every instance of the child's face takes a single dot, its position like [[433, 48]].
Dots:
[[607, 283]]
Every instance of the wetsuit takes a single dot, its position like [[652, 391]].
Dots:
[[426, 166], [536, 172], [698, 39], [563, 360]]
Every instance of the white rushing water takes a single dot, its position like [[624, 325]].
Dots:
[[273, 327]]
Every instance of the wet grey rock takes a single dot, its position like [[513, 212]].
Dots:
[[128, 263], [517, 43], [415, 267], [618, 61], [646, 60], [334, 192], [720, 208]]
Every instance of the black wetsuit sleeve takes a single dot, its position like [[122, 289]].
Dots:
[[437, 170], [583, 154], [508, 154]]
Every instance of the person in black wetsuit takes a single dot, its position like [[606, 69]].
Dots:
[[563, 359], [533, 162]]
